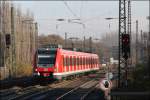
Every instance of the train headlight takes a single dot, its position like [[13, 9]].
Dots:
[[38, 73]]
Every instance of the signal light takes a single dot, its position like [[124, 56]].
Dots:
[[126, 45], [8, 39]]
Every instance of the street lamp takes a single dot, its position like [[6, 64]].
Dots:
[[70, 21]]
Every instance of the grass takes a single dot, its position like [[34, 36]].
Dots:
[[23, 70]]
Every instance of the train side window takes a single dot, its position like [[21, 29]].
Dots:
[[92, 60], [68, 61], [79, 61], [72, 60], [64, 60], [76, 61], [82, 60]]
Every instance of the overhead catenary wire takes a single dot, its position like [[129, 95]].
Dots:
[[68, 7]]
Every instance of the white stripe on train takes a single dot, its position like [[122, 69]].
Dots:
[[73, 72]]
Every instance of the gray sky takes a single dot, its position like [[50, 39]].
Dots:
[[92, 14]]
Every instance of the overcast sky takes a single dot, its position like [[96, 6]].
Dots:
[[91, 13]]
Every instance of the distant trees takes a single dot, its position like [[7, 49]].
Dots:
[[50, 39]]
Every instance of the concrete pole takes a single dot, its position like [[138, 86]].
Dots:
[[136, 42], [13, 41]]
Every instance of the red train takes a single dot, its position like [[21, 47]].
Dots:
[[59, 63]]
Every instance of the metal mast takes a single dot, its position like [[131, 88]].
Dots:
[[122, 30], [129, 21]]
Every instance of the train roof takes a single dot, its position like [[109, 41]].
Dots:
[[67, 52]]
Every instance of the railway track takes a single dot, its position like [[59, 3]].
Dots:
[[53, 90], [32, 91], [80, 92]]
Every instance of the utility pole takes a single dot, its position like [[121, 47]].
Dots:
[[148, 65], [141, 48], [65, 39], [136, 42], [90, 42], [84, 43], [36, 36], [13, 41]]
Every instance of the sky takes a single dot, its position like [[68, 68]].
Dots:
[[91, 13]]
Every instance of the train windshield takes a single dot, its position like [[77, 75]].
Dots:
[[46, 58]]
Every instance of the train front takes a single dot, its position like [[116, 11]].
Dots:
[[45, 62]]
